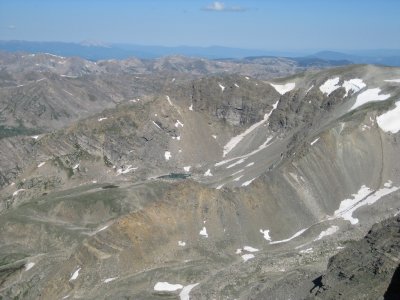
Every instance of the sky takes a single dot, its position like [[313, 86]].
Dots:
[[253, 24]]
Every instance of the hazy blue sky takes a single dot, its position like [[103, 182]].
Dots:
[[263, 24]]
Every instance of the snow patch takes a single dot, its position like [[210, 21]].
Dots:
[[369, 96], [309, 89], [390, 120], [289, 239], [18, 191], [247, 257], [167, 287], [236, 163], [203, 232], [110, 279], [250, 164], [101, 119], [246, 183], [308, 250], [191, 107], [284, 88], [266, 234], [331, 230], [182, 244], [169, 100], [128, 169], [330, 85], [314, 141], [178, 123], [208, 173], [156, 125], [167, 155], [220, 186], [103, 228], [41, 164], [364, 196], [75, 167], [221, 86], [236, 85], [237, 139], [250, 249], [35, 137], [187, 169], [184, 294], [75, 274], [393, 80], [238, 178], [29, 266], [354, 85], [214, 136]]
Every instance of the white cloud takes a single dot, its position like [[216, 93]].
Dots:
[[219, 6]]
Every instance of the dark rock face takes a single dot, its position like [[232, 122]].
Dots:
[[367, 269]]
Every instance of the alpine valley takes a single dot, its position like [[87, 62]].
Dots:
[[188, 178]]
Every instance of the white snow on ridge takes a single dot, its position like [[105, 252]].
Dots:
[[237, 139], [75, 275], [392, 80], [289, 239], [330, 85], [266, 234], [75, 167], [221, 86], [283, 88], [101, 119], [369, 96], [35, 137], [191, 107], [167, 287], [390, 120], [184, 294], [331, 230], [167, 155], [41, 164], [354, 85], [364, 196], [187, 169]]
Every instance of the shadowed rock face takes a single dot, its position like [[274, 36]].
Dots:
[[367, 269], [224, 181]]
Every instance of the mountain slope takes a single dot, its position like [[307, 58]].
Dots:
[[221, 187]]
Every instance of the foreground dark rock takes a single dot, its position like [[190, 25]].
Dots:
[[367, 269]]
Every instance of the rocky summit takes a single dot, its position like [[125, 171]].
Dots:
[[180, 178]]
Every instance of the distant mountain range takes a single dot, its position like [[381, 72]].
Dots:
[[99, 51]]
